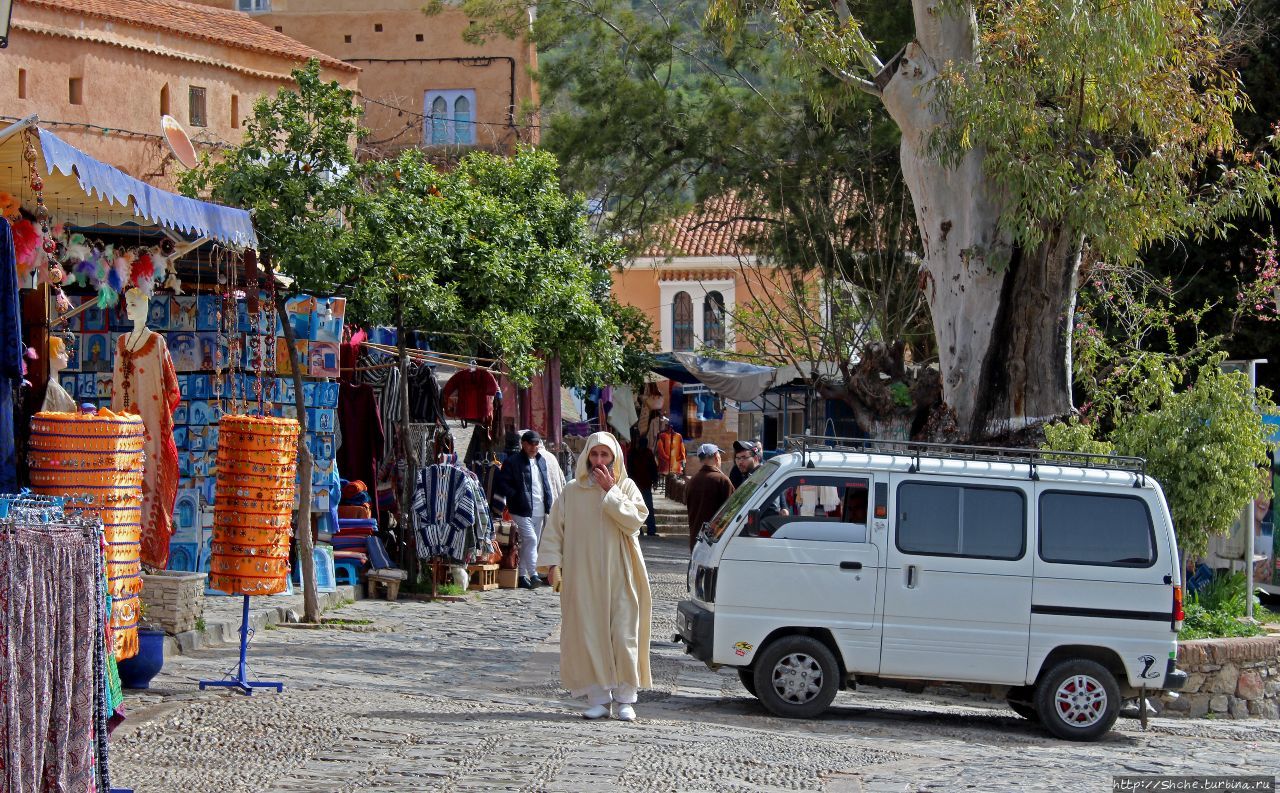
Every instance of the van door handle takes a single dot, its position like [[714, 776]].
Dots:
[[911, 576], [851, 565]]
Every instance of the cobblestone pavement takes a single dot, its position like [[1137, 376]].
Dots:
[[465, 696]]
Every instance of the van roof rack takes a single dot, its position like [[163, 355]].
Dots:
[[918, 450]]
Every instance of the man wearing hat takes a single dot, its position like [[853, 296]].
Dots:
[[708, 490], [746, 459], [525, 484]]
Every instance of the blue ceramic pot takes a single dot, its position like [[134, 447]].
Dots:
[[136, 672]]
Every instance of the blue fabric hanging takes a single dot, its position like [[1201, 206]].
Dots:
[[11, 354]]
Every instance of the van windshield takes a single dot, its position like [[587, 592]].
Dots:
[[740, 496]]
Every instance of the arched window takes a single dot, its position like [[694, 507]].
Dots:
[[164, 100], [713, 320], [439, 122], [462, 126], [682, 323]]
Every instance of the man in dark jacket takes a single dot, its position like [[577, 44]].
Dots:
[[642, 467], [523, 482], [707, 490]]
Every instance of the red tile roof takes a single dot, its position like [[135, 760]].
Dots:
[[718, 228], [202, 23]]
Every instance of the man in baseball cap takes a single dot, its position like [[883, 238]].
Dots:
[[708, 490], [746, 459]]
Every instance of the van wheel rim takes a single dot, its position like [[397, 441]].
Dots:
[[797, 678], [1081, 700]]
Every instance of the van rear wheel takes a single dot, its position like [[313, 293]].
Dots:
[[748, 678], [1078, 700], [796, 677]]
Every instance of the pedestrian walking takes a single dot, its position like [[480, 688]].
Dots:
[[525, 483], [708, 490], [642, 467], [592, 546], [746, 459]]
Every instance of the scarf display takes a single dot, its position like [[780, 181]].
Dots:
[[53, 661]]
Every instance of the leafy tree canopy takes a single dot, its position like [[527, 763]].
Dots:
[[1205, 444], [295, 171], [497, 260]]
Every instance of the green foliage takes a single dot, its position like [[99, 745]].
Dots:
[[650, 115], [1225, 592], [1074, 436], [1100, 118], [295, 171], [1104, 118], [1203, 624], [498, 260], [1205, 444]]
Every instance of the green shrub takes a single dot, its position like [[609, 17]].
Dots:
[[1201, 624]]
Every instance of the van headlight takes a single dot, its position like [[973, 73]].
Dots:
[[704, 584]]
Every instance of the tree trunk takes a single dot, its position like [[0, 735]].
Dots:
[[1001, 316], [302, 522]]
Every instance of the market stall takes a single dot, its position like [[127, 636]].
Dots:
[[92, 267]]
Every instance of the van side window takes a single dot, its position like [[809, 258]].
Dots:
[[830, 508], [961, 520], [1084, 528]]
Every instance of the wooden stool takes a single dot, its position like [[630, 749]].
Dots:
[[375, 578], [483, 577]]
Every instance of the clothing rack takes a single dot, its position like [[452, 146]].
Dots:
[[52, 520]]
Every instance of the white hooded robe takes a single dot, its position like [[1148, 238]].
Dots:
[[594, 537]]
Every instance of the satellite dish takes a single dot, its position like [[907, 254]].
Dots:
[[179, 142]]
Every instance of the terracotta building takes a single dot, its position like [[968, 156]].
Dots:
[[688, 281], [422, 84], [101, 73]]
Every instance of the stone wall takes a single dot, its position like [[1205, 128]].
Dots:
[[1229, 678], [173, 600]]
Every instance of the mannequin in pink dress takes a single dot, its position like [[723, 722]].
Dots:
[[145, 383]]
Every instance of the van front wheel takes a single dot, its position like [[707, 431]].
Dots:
[[796, 677], [1078, 700]]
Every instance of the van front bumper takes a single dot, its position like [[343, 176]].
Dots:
[[695, 625]]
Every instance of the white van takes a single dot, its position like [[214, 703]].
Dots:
[[1048, 578]]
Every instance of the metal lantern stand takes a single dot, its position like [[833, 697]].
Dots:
[[238, 677]]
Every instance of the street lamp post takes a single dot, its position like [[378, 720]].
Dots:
[[6, 16]]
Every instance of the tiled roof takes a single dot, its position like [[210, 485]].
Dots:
[[717, 228], [202, 23]]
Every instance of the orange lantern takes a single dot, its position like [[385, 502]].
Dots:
[[253, 512], [95, 462]]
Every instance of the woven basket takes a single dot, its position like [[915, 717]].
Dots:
[[253, 513], [95, 461]]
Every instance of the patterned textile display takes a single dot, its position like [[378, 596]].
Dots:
[[253, 513], [146, 384], [11, 352], [97, 460], [444, 506], [53, 669], [451, 512]]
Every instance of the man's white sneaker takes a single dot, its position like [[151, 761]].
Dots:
[[625, 713], [596, 712]]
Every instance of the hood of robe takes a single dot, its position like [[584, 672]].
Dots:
[[583, 469]]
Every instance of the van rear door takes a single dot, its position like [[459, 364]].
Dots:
[[957, 580], [1104, 576]]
